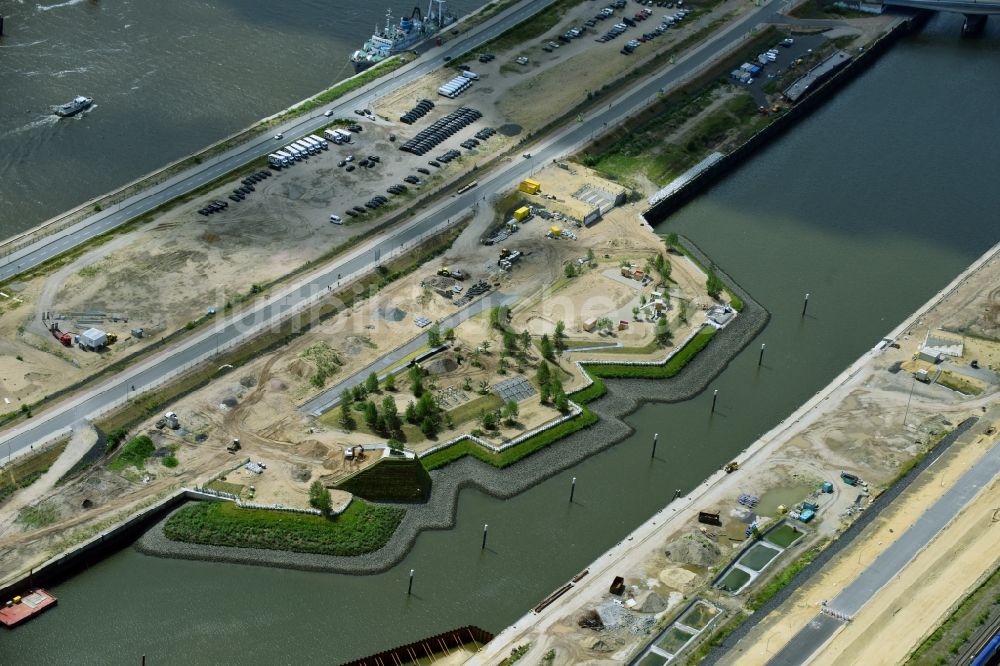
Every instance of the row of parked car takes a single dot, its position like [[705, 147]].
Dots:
[[239, 194], [213, 207], [421, 109], [440, 130], [486, 57]]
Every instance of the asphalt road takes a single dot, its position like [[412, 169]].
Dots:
[[198, 175], [57, 420], [803, 645]]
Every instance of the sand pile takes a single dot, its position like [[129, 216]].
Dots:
[[678, 578], [653, 603], [312, 448], [693, 548]]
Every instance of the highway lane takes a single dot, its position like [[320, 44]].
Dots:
[[198, 175], [58, 420]]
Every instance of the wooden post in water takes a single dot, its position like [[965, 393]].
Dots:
[[485, 528], [409, 590], [760, 360], [656, 436], [805, 304], [715, 397], [572, 490]]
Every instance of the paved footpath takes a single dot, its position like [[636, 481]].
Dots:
[[809, 639]]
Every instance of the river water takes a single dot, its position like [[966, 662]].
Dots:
[[167, 77], [872, 204]]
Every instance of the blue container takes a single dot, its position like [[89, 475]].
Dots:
[[827, 487], [807, 515]]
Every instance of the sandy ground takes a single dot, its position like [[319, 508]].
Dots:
[[259, 403], [903, 613], [854, 424]]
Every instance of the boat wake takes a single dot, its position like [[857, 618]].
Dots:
[[68, 3], [43, 121]]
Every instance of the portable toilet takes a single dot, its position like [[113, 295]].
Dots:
[[807, 515], [521, 213], [827, 487], [530, 186]]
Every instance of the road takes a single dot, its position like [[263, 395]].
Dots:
[[329, 398], [201, 174], [228, 331], [886, 566]]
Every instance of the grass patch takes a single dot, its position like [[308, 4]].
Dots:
[[533, 27], [226, 487], [470, 410], [784, 577], [25, 471], [784, 536], [956, 382], [390, 480], [669, 369], [716, 639], [974, 611], [42, 514], [133, 454], [362, 528]]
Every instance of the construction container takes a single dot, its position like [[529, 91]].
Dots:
[[554, 231], [849, 478], [807, 515], [827, 487], [530, 186], [809, 506], [521, 213]]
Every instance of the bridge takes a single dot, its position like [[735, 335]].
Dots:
[[975, 11]]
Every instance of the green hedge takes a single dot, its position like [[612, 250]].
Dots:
[[362, 528], [668, 369], [390, 480]]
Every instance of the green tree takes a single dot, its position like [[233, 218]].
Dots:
[[525, 340], [713, 285], [371, 384], [319, 497], [429, 427], [391, 414], [346, 397], [590, 256], [544, 393], [371, 414], [569, 270], [359, 393], [411, 413], [510, 412], [416, 376], [489, 419], [663, 268], [503, 365], [543, 374], [672, 239], [561, 401], [434, 336], [498, 317], [449, 334], [548, 351], [662, 331], [560, 335], [395, 445], [389, 383], [346, 418]]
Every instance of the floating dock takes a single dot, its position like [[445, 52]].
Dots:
[[22, 609]]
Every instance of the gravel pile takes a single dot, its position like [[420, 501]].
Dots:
[[623, 398]]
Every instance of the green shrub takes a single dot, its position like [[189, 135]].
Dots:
[[134, 453], [362, 528]]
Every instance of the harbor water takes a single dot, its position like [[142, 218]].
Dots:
[[872, 204], [167, 79]]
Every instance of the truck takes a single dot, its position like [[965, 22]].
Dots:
[[321, 141], [470, 75], [294, 151], [332, 135], [307, 148], [277, 161], [288, 157], [316, 147]]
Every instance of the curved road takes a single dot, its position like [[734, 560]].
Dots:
[[231, 330]]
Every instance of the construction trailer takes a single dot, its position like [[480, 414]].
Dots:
[[529, 186], [522, 213]]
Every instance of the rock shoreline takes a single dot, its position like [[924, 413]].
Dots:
[[624, 397]]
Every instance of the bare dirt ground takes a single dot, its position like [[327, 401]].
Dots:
[[259, 404], [903, 613], [856, 424]]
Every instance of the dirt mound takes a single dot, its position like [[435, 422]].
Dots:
[[301, 368], [301, 473], [391, 314], [590, 620], [276, 385], [599, 645], [693, 548], [678, 578], [653, 603], [440, 365], [312, 449]]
